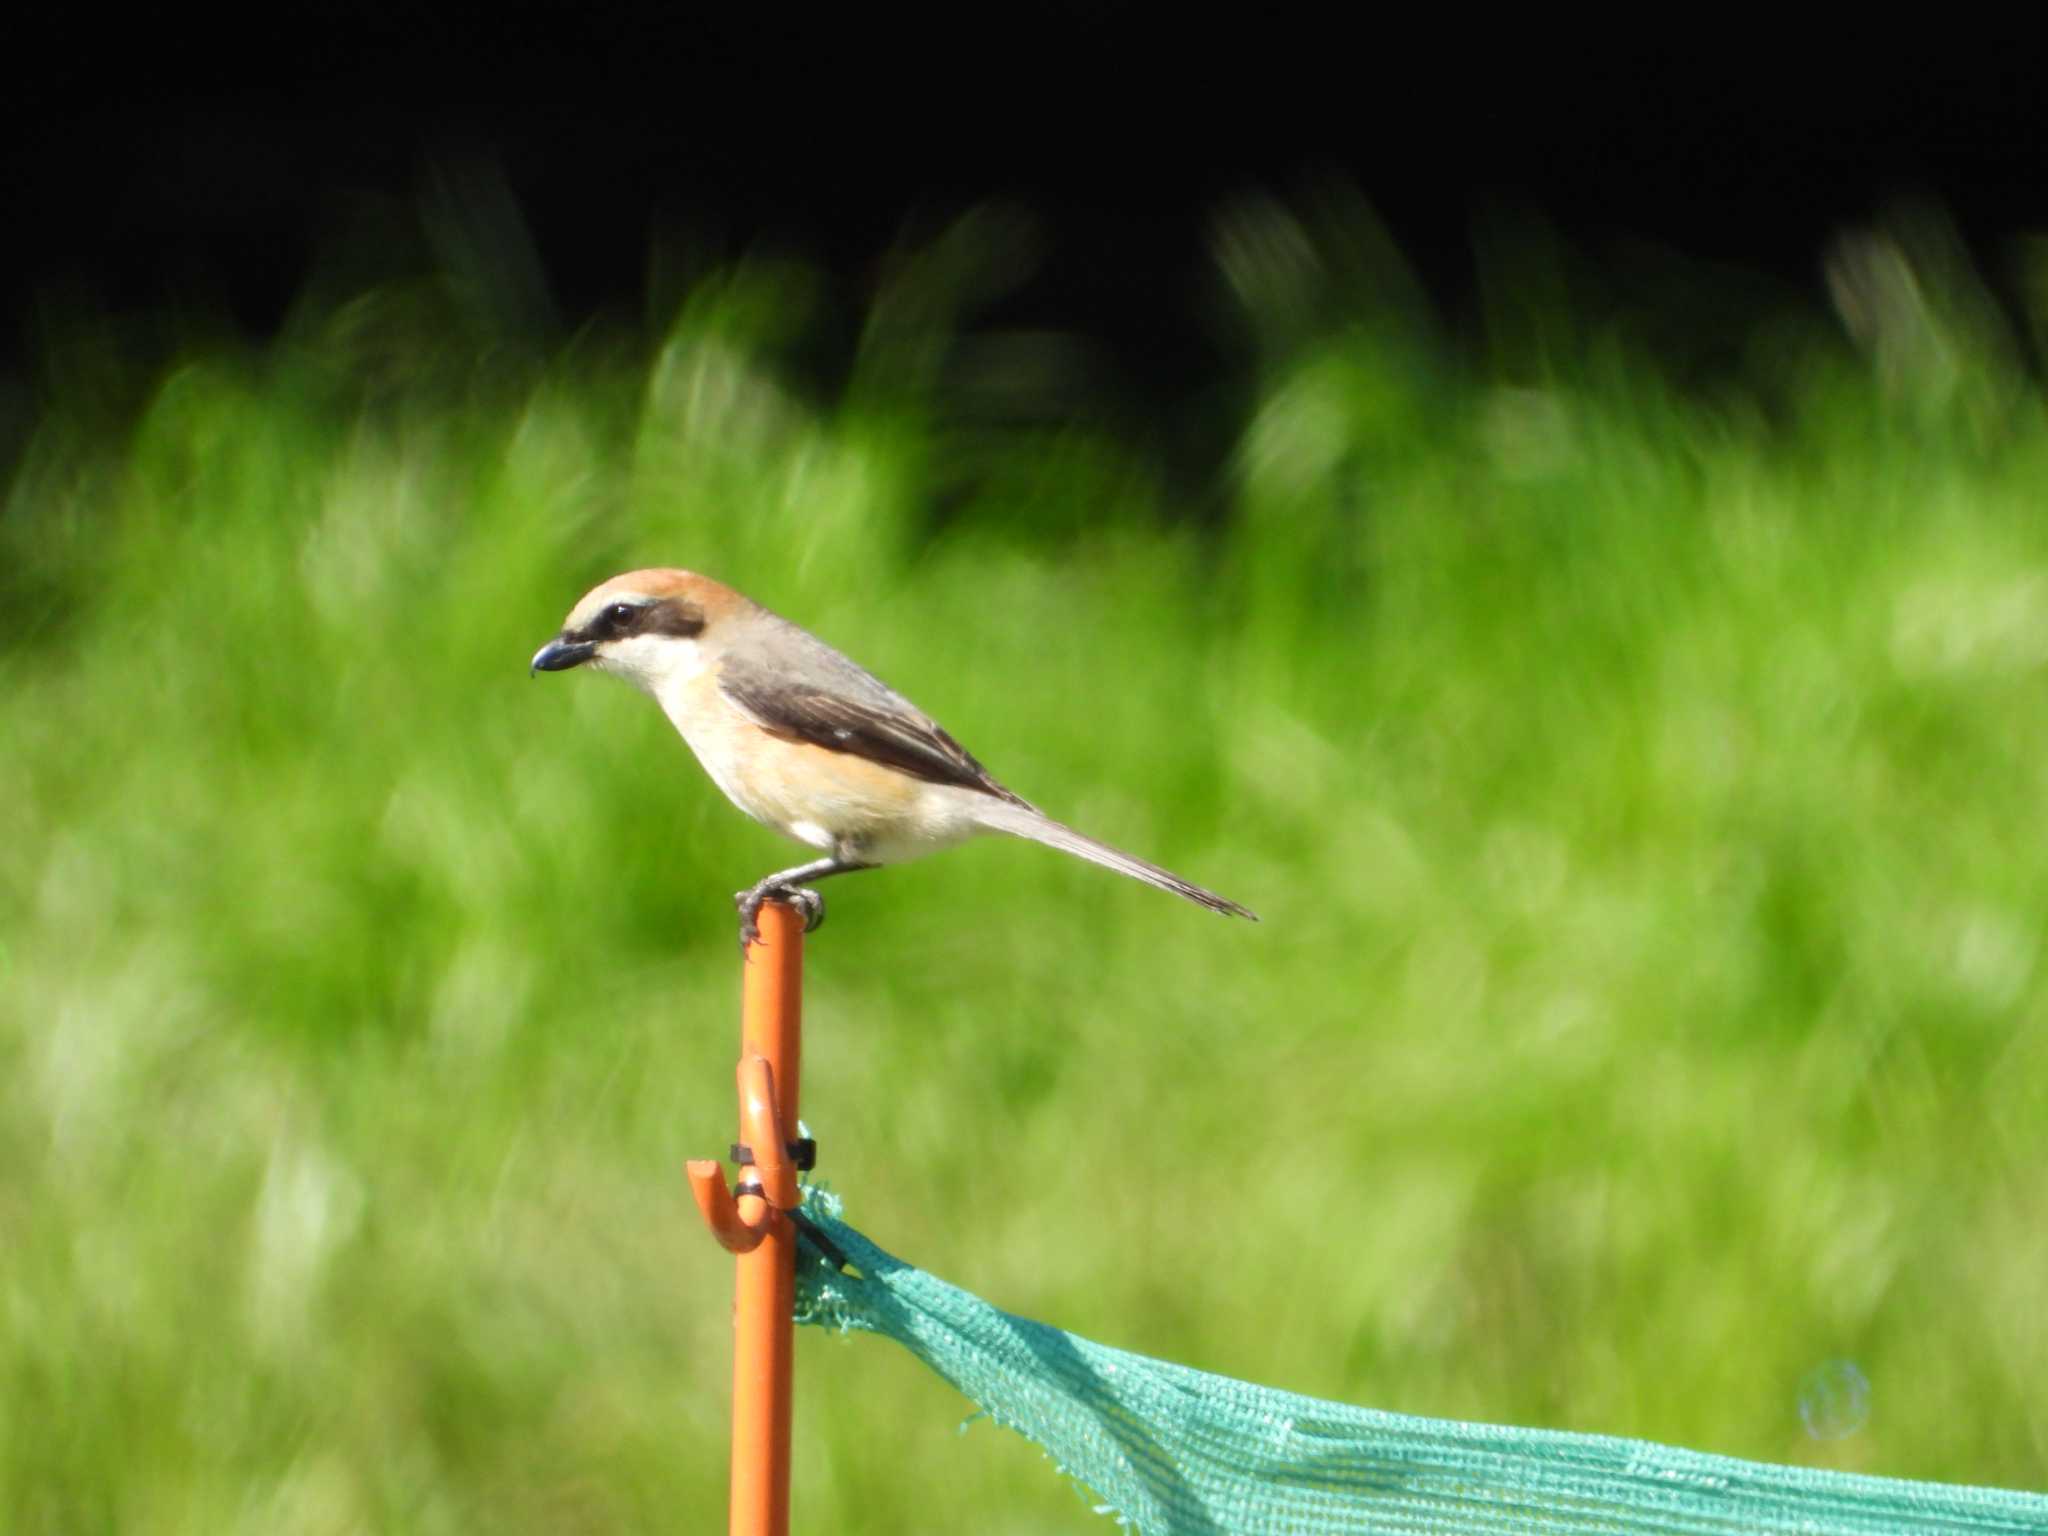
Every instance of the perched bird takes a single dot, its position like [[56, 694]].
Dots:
[[803, 740]]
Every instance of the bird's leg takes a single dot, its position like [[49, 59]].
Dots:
[[786, 883]]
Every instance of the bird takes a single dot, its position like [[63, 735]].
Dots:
[[807, 742]]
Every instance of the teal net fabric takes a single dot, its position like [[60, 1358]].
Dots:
[[1179, 1452]]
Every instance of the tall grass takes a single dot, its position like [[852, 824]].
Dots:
[[1639, 773]]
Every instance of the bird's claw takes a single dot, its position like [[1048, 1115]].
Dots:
[[802, 897], [811, 904]]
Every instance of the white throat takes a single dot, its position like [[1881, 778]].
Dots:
[[659, 665]]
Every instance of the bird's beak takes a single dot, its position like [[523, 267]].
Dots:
[[560, 655]]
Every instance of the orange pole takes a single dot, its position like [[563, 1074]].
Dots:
[[764, 1297]]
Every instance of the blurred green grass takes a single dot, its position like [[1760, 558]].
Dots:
[[1639, 778]]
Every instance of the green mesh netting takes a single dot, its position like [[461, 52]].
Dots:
[[1178, 1452]]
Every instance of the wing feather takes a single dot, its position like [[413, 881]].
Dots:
[[867, 719]]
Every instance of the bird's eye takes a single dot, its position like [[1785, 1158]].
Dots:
[[620, 615]]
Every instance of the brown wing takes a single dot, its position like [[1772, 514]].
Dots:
[[882, 726]]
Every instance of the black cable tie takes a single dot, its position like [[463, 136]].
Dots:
[[811, 1233], [803, 1153], [751, 1187]]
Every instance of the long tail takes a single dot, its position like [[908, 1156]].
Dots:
[[1025, 821]]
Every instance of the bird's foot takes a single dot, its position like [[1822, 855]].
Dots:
[[802, 897]]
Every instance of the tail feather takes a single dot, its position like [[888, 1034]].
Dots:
[[1022, 820]]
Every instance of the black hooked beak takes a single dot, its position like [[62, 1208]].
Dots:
[[561, 654]]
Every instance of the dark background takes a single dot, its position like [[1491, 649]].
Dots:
[[213, 170]]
